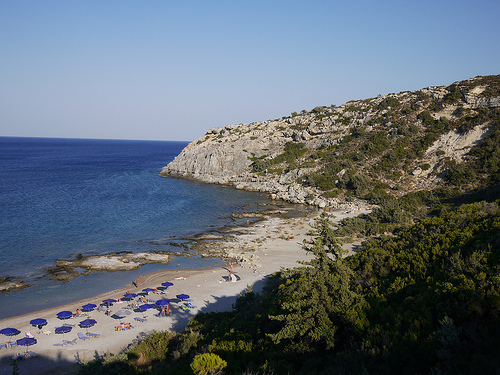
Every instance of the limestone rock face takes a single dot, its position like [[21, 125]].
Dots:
[[227, 151], [225, 155]]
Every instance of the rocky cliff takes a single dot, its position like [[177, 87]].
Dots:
[[404, 141]]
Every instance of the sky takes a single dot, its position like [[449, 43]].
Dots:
[[171, 70]]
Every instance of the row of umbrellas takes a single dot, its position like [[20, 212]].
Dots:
[[25, 341], [28, 341], [38, 322]]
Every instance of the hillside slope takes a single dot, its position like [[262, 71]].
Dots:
[[327, 156]]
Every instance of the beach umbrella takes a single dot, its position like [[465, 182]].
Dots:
[[64, 314], [147, 290], [182, 296], [87, 323], [89, 306], [167, 284], [63, 330], [109, 301], [130, 295], [9, 331], [38, 322], [122, 313], [145, 307], [26, 341], [162, 302]]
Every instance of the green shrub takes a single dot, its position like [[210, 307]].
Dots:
[[390, 101], [208, 363]]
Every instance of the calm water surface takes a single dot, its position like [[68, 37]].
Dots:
[[61, 197]]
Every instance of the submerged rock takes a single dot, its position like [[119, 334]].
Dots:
[[8, 283]]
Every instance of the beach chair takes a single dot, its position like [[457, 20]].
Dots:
[[46, 332], [139, 319], [70, 342], [82, 336], [32, 354], [29, 334], [3, 346], [59, 344], [90, 334], [190, 305], [184, 308], [12, 344]]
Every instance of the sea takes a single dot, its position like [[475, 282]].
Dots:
[[63, 197]]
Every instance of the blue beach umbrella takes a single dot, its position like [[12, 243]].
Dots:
[[26, 341], [64, 314], [147, 290], [87, 323], [10, 331], [146, 306], [167, 284], [38, 322], [63, 329], [130, 295], [182, 296], [89, 306], [109, 301], [162, 302]]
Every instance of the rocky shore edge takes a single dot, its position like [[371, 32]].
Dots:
[[213, 244]]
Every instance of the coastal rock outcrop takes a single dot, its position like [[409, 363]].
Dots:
[[68, 269], [9, 283], [255, 156]]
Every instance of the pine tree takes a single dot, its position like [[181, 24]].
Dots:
[[317, 299]]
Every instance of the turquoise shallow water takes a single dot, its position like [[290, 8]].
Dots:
[[61, 197]]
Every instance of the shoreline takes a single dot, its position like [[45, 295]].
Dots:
[[259, 249]]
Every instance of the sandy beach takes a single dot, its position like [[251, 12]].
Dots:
[[261, 249]]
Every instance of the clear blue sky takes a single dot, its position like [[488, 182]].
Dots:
[[170, 70]]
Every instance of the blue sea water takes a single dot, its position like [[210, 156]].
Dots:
[[61, 197]]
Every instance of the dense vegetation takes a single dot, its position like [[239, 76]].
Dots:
[[423, 299]]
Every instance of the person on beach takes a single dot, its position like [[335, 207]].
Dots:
[[168, 309], [137, 282]]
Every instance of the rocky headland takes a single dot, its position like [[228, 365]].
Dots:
[[247, 156]]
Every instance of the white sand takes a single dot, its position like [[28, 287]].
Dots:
[[265, 249]]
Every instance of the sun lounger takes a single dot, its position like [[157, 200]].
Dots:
[[70, 342], [3, 346], [139, 319], [12, 344], [90, 334], [58, 344], [32, 354], [184, 308], [190, 305], [46, 332], [82, 336]]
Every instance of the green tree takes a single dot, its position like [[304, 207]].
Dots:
[[316, 300]]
